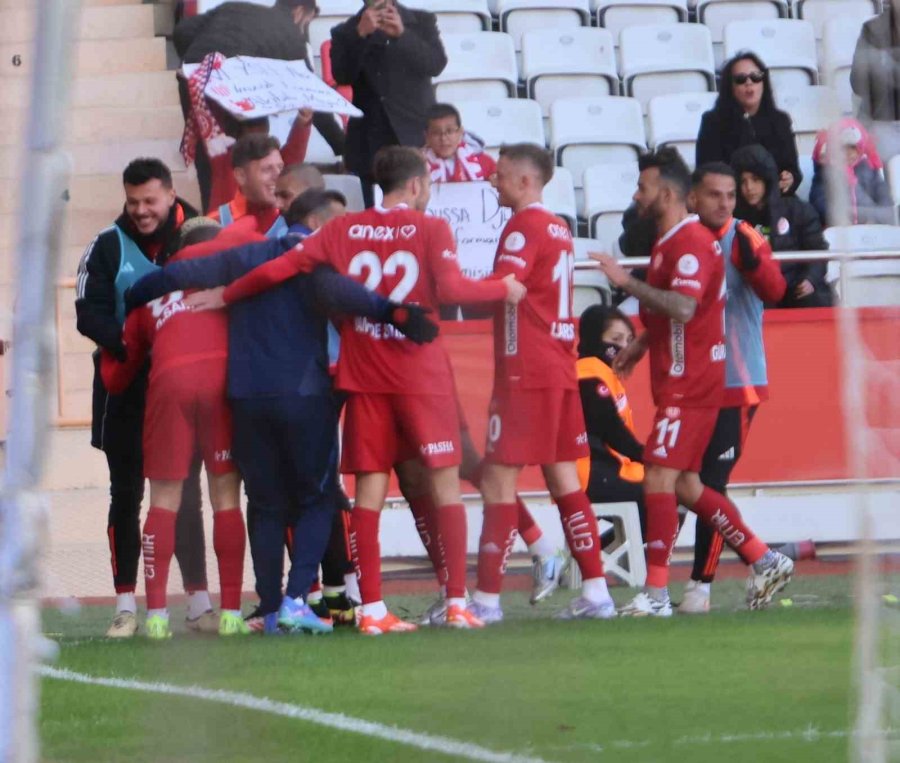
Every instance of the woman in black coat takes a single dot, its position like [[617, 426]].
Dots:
[[745, 114]]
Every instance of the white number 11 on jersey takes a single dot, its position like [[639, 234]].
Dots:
[[564, 272]]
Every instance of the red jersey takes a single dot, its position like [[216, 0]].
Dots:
[[687, 360], [402, 254], [534, 341]]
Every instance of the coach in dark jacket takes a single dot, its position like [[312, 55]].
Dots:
[[789, 223], [388, 54]]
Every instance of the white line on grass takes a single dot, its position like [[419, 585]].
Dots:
[[429, 742]]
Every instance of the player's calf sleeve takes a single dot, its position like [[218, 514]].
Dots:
[[229, 543], [662, 529], [451, 522], [366, 552], [428, 527], [582, 535], [724, 516], [529, 530], [498, 534], [158, 545]]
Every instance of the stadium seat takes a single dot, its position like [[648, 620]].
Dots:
[[716, 14], [811, 109], [350, 186], [807, 168], [608, 189], [572, 63], [559, 197], [674, 120], [665, 58], [787, 48], [592, 278], [520, 16], [869, 283], [457, 16], [838, 45], [615, 15], [818, 12], [503, 120], [587, 131], [480, 65]]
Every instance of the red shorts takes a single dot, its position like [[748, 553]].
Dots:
[[187, 411], [381, 430], [535, 426], [679, 437]]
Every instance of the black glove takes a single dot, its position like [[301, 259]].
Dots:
[[119, 352], [413, 322], [749, 259]]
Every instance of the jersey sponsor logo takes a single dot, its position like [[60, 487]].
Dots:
[[688, 264], [376, 331], [222, 455], [676, 334], [515, 242], [603, 390], [407, 231], [448, 254], [565, 332], [673, 412], [717, 352], [167, 306], [437, 448], [728, 455], [373, 232], [511, 331], [688, 283], [519, 262], [561, 232], [581, 439]]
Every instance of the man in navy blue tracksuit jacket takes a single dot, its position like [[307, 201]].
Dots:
[[284, 413]]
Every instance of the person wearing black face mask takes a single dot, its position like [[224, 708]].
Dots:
[[613, 472]]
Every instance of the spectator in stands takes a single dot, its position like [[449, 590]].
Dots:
[[294, 180], [860, 166], [454, 155], [388, 54], [257, 164], [141, 239], [875, 78], [744, 114], [788, 223]]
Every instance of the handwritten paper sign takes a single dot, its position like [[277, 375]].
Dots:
[[250, 87]]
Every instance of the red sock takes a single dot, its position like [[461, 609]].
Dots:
[[528, 528], [158, 544], [498, 533], [229, 543], [424, 514], [316, 586], [580, 526], [366, 552], [723, 515], [662, 529], [451, 520]]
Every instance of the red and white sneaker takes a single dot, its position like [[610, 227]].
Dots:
[[462, 618], [369, 626]]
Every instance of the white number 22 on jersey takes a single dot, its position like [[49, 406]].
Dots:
[[564, 272], [399, 260]]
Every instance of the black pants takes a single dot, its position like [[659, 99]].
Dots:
[[606, 486]]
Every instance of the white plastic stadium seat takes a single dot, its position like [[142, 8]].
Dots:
[[665, 58], [569, 63], [559, 197], [503, 120], [715, 14], [786, 47], [807, 168], [674, 120], [520, 16], [479, 65], [456, 16], [818, 12], [591, 286], [608, 189], [586, 131], [624, 558], [615, 15], [838, 45], [350, 186], [876, 282], [811, 109]]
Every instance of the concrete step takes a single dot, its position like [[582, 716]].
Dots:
[[100, 158], [92, 57], [140, 89], [124, 21]]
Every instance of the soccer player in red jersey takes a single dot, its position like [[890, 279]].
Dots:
[[401, 396], [535, 414], [186, 411], [682, 308]]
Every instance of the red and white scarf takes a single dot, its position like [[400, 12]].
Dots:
[[463, 166], [201, 124]]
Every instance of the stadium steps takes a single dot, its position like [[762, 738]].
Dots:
[[124, 21], [95, 57]]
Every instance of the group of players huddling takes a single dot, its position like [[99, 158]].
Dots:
[[378, 272]]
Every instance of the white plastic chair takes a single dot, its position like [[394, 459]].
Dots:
[[716, 14], [520, 16], [787, 48], [838, 45], [559, 197], [456, 16], [818, 12], [665, 58], [608, 189], [350, 186], [504, 120], [674, 120], [624, 558], [480, 65], [615, 15], [811, 109], [569, 63], [872, 283], [587, 131]]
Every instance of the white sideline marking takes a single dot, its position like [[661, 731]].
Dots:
[[422, 741]]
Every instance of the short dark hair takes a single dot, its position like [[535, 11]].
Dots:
[[253, 147], [395, 166], [310, 202], [671, 166], [442, 111], [538, 156], [593, 323], [145, 169], [712, 168]]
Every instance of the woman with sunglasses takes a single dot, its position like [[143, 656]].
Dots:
[[744, 114]]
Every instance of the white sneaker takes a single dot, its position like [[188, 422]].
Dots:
[[436, 614], [546, 572], [644, 606], [695, 600], [124, 625], [585, 609], [487, 615], [763, 585]]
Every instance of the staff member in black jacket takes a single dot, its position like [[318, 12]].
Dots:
[[388, 54], [140, 240]]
